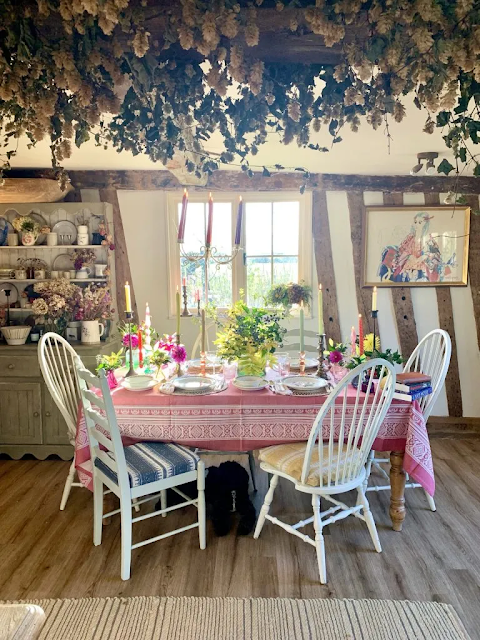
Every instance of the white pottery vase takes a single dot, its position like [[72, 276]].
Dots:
[[83, 273], [28, 238], [92, 330]]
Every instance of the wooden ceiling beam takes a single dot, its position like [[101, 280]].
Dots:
[[239, 181]]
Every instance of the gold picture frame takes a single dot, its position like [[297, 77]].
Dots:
[[415, 246]]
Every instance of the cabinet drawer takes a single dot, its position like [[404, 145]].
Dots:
[[23, 366]]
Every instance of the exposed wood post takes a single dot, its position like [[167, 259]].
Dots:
[[122, 265], [445, 316], [324, 261], [402, 299], [364, 296], [474, 260]]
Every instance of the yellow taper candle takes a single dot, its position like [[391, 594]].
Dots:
[[177, 295], [203, 331], [128, 299], [321, 326], [374, 299]]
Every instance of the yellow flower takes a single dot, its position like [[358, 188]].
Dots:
[[368, 342]]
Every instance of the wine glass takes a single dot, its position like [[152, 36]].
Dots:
[[213, 359], [283, 363]]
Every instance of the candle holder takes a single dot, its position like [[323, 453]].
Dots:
[[131, 371], [198, 307], [203, 364], [7, 295], [302, 363], [374, 346], [322, 345], [185, 313]]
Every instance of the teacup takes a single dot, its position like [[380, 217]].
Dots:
[[20, 274]]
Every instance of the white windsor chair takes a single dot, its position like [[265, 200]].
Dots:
[[57, 364], [432, 357], [333, 460], [140, 472], [291, 341]]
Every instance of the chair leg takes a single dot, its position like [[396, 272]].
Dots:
[[251, 462], [97, 509], [163, 501], [431, 501], [68, 485], [368, 469], [202, 518], [362, 499], [266, 506], [319, 541], [126, 526]]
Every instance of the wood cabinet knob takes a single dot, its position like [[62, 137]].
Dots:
[[48, 414], [11, 366], [35, 414]]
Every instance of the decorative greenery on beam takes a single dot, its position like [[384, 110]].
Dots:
[[80, 69]]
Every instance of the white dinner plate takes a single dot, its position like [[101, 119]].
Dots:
[[304, 383], [193, 384], [250, 383], [13, 294]]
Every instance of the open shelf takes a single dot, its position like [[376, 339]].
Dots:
[[56, 246], [12, 280]]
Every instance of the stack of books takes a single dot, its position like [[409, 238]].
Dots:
[[412, 386]]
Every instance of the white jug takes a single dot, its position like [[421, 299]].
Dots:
[[92, 330], [83, 273]]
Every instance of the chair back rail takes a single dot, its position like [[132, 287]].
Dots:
[[432, 357], [198, 339], [57, 364], [102, 423], [291, 340], [343, 447]]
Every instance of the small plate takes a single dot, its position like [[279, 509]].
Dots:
[[139, 383], [193, 384], [304, 383], [65, 228], [250, 383], [310, 363]]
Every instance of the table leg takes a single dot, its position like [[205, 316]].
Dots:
[[397, 495]]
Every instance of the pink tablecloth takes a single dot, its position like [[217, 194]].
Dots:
[[236, 420]]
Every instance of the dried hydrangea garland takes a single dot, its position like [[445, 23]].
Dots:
[[62, 62]]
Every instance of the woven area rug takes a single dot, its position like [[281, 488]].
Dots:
[[188, 618]]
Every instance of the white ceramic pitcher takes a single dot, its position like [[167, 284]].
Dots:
[[92, 330]]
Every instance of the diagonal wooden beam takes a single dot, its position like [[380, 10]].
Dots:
[[445, 317], [402, 299], [324, 261], [474, 260], [364, 295], [122, 265]]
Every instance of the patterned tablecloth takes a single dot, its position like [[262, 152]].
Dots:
[[237, 420]]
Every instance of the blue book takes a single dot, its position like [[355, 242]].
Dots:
[[416, 395]]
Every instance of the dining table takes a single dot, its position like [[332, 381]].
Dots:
[[238, 420]]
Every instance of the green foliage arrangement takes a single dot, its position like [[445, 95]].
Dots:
[[289, 294], [249, 335], [73, 70]]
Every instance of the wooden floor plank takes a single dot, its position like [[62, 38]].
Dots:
[[47, 553]]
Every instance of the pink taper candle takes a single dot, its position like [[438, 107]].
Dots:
[[360, 334], [353, 340], [209, 221]]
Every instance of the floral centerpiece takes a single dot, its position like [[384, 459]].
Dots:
[[57, 301], [109, 364], [95, 303], [249, 335], [158, 359], [28, 229], [287, 295], [168, 343]]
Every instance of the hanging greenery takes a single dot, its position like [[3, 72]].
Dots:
[[139, 74]]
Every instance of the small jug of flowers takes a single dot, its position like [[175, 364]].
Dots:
[[27, 228], [109, 364]]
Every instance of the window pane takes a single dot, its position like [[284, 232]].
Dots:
[[194, 272], [222, 228], [259, 280], [194, 226], [258, 228], [220, 284], [286, 216], [285, 269]]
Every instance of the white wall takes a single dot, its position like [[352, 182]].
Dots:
[[144, 217]]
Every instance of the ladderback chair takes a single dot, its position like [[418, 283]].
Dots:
[[140, 472], [333, 460], [57, 364], [291, 341], [432, 357]]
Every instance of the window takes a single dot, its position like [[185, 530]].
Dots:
[[276, 245]]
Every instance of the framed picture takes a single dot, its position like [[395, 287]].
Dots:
[[416, 246]]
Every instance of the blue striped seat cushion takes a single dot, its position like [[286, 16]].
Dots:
[[151, 461]]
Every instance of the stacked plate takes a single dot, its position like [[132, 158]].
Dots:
[[139, 383], [305, 385], [194, 385], [250, 383]]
